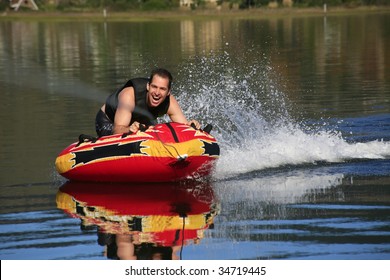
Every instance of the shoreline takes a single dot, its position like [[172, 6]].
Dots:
[[257, 13]]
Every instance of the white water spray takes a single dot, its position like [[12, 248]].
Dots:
[[251, 119]]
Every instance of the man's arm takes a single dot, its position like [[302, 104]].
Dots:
[[174, 111], [176, 114], [126, 104]]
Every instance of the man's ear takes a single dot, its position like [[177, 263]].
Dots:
[[147, 86]]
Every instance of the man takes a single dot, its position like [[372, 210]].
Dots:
[[140, 101]]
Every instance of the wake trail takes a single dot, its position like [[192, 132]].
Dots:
[[252, 121]]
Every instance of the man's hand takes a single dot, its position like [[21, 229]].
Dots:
[[195, 123], [134, 127]]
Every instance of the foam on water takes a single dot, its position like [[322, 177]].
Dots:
[[251, 119], [294, 147]]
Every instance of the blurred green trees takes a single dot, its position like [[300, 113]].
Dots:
[[126, 5]]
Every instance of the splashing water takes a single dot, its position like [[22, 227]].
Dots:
[[251, 119]]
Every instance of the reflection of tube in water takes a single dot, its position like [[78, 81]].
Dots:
[[150, 220]]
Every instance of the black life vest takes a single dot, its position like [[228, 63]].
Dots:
[[142, 112]]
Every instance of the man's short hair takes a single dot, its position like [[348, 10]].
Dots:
[[163, 73]]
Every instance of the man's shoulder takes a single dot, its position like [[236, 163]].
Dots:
[[139, 80], [139, 84], [135, 81]]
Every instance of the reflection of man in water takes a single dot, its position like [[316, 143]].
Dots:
[[127, 247]]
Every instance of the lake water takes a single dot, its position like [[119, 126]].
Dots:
[[300, 107]]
